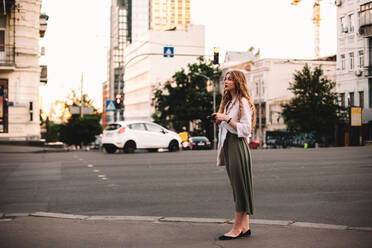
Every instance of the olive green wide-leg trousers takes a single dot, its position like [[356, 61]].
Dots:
[[238, 166]]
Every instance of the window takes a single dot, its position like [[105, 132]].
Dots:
[[351, 103], [342, 99], [351, 56], [154, 128], [342, 61], [31, 110], [343, 24], [2, 38], [112, 127], [137, 126], [361, 99], [351, 23], [361, 58], [256, 89]]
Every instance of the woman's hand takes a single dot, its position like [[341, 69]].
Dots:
[[221, 117]]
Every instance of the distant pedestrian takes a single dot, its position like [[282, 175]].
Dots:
[[237, 119]]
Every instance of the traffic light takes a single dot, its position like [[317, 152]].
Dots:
[[118, 101], [216, 52]]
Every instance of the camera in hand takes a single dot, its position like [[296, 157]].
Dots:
[[211, 117]]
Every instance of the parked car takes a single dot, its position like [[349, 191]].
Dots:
[[132, 135], [254, 144], [97, 143], [199, 142]]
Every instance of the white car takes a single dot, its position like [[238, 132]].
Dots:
[[132, 135]]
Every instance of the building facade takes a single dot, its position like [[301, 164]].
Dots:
[[168, 14], [21, 26], [143, 74], [354, 55], [268, 82], [131, 22]]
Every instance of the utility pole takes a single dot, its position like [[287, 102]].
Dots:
[[214, 106], [214, 111], [81, 94], [259, 112]]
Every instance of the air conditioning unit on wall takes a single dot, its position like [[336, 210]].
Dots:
[[358, 72], [338, 3]]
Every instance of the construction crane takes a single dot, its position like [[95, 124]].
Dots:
[[316, 20]]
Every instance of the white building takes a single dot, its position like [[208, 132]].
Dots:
[[268, 82], [21, 26], [354, 55], [143, 74]]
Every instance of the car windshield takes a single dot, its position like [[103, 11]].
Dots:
[[198, 139], [112, 126]]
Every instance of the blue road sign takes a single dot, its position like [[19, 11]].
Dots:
[[168, 52], [110, 106]]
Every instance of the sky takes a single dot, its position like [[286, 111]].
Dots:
[[77, 38]]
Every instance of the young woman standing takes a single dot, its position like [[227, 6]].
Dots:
[[236, 118]]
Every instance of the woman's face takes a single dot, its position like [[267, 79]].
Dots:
[[229, 83]]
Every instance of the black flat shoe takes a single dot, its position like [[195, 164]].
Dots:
[[246, 234], [223, 237]]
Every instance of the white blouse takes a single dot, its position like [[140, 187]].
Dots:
[[243, 126]]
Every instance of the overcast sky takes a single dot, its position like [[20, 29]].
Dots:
[[78, 32]]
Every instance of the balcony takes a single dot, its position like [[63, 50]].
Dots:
[[7, 54], [366, 19]]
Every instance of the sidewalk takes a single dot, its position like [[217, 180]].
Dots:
[[28, 149], [154, 232]]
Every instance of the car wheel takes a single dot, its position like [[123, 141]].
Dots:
[[110, 149], [173, 146], [129, 147]]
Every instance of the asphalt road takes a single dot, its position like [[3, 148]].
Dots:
[[327, 185]]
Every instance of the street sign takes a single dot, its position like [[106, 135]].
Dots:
[[168, 52], [74, 110], [110, 106]]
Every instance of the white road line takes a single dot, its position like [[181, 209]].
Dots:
[[90, 165], [96, 170]]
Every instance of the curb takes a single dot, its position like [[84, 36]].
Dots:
[[128, 218], [6, 217], [59, 215], [194, 220]]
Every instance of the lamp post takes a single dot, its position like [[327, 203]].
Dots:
[[214, 107]]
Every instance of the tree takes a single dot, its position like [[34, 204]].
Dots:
[[80, 130], [73, 99], [255, 52], [186, 98], [314, 108]]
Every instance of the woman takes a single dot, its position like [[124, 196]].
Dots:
[[236, 118]]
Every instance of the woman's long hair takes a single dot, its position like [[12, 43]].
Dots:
[[241, 88]]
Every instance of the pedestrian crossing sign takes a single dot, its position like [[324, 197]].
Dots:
[[168, 52], [110, 106]]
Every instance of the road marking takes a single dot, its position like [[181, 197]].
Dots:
[[101, 176], [96, 171], [90, 165], [104, 178]]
